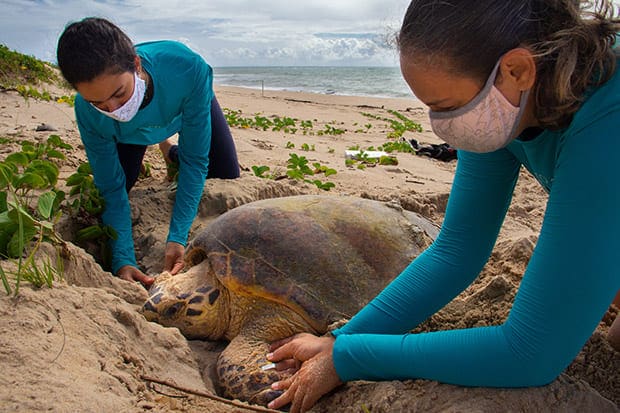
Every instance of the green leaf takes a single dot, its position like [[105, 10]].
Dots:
[[92, 206], [110, 232], [260, 170], [17, 211], [5, 220], [294, 174], [45, 204], [75, 179], [19, 158], [7, 229], [5, 281], [13, 247], [30, 180], [46, 169], [85, 169], [75, 190], [90, 233], [3, 204], [53, 153], [54, 140], [6, 175], [58, 200]]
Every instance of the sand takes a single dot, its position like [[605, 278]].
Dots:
[[83, 345]]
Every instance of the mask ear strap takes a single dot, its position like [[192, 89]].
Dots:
[[522, 104]]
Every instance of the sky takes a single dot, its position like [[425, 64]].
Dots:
[[224, 32]]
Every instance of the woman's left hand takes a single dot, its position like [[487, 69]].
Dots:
[[173, 262], [316, 377]]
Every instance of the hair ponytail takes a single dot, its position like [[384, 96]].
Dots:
[[572, 42], [576, 54]]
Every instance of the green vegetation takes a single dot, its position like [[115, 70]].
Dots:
[[399, 126], [330, 130], [260, 170], [25, 177], [31, 205], [85, 205], [17, 68], [86, 199], [276, 123], [24, 73], [298, 169]]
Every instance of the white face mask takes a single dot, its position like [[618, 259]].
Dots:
[[485, 124], [127, 112]]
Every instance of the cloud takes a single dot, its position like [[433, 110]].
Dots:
[[225, 32]]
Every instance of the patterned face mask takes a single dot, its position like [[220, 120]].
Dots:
[[485, 124], [127, 112]]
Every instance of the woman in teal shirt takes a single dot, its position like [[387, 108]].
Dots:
[[510, 84], [130, 97]]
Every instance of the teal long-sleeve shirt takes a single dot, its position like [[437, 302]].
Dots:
[[570, 281], [181, 103]]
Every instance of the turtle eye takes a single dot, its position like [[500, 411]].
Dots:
[[192, 312]]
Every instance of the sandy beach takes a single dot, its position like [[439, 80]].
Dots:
[[83, 345]]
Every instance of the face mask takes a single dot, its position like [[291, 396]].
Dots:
[[485, 124], [127, 112]]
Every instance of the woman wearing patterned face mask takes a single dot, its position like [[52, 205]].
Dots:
[[130, 97], [509, 83]]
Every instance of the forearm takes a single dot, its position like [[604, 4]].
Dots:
[[542, 335], [473, 217], [423, 288], [189, 192]]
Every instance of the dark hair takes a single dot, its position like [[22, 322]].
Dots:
[[91, 47], [572, 42]]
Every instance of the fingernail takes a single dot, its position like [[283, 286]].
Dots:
[[269, 356], [271, 405], [275, 385]]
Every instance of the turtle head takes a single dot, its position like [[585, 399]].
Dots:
[[193, 301]]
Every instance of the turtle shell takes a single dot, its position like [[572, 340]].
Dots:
[[324, 257]]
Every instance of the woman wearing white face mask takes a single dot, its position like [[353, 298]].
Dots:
[[130, 97], [510, 83]]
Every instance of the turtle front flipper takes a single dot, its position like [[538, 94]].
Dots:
[[240, 375]]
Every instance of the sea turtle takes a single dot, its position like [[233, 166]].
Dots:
[[272, 268]]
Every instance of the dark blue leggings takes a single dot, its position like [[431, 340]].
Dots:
[[222, 156]]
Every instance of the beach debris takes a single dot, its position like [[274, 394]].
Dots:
[[45, 127], [364, 155], [442, 151]]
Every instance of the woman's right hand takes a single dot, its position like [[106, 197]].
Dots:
[[316, 376], [131, 273]]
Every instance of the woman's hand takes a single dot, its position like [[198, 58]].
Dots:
[[131, 273], [316, 377], [173, 262]]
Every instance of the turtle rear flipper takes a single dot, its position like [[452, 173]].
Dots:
[[240, 375]]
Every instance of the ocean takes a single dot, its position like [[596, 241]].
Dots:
[[351, 81]]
